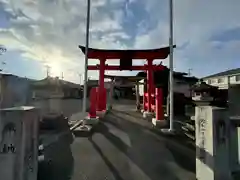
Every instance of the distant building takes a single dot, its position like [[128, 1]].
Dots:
[[14, 91], [182, 83], [51, 87], [224, 79]]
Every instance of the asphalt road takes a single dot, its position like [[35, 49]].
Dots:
[[122, 147]]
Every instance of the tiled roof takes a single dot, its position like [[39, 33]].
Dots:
[[224, 73]]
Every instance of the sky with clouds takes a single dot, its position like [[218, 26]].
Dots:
[[37, 33]]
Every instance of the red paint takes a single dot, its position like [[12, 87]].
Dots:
[[133, 68], [93, 104], [101, 85], [159, 104], [150, 55], [150, 83], [160, 53], [104, 100]]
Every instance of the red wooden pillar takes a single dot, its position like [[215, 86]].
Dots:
[[101, 86], [93, 103], [159, 104], [150, 83]]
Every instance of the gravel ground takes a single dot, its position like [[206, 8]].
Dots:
[[122, 147]]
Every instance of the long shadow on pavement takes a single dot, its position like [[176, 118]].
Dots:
[[133, 114], [111, 167], [143, 152], [184, 159]]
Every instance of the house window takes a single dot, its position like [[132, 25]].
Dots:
[[209, 81], [220, 80], [238, 78]]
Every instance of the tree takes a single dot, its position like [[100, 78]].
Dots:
[[3, 49]]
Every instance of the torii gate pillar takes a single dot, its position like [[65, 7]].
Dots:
[[102, 94], [126, 55], [150, 84]]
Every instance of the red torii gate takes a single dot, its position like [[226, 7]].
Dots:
[[126, 55]]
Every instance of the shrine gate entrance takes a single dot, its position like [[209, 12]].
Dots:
[[126, 57]]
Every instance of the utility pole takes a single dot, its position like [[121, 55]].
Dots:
[[48, 68], [86, 58], [171, 63], [171, 79], [189, 72], [62, 76]]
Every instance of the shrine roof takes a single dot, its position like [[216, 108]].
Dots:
[[203, 86], [160, 53]]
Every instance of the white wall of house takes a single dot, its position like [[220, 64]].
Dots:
[[223, 82]]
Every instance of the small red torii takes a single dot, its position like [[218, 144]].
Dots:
[[126, 55]]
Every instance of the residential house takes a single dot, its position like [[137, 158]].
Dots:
[[225, 79], [53, 87], [182, 83]]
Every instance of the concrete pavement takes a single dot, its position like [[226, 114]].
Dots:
[[122, 147]]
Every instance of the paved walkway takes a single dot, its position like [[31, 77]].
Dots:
[[122, 148]]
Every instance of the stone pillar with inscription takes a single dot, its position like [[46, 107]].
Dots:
[[19, 143], [234, 113], [212, 139]]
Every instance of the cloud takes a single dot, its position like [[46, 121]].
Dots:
[[50, 31], [195, 23]]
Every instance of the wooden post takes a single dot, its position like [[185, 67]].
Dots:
[[101, 85], [150, 84], [159, 104], [93, 103]]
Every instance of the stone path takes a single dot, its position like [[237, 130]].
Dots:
[[122, 147]]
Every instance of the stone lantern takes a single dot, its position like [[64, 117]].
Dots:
[[211, 135], [202, 93]]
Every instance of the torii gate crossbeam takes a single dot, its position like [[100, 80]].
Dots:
[[125, 55]]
